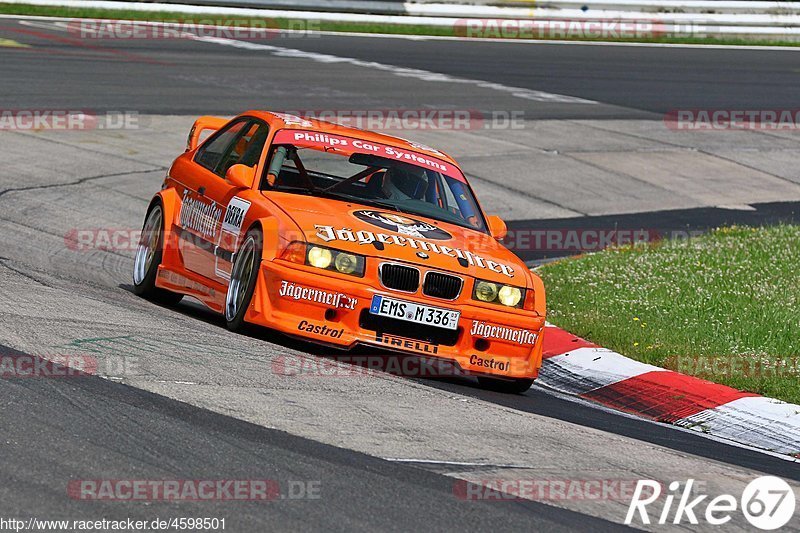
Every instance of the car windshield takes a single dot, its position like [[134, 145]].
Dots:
[[333, 166]]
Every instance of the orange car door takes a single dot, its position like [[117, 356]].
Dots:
[[234, 200], [203, 191]]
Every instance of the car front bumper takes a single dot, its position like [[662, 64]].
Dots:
[[298, 300]]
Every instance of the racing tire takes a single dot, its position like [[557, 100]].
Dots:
[[148, 257], [244, 274], [516, 386]]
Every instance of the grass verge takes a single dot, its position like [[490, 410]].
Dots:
[[724, 306], [332, 26]]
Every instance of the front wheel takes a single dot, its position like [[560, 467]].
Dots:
[[515, 386], [243, 279], [148, 258]]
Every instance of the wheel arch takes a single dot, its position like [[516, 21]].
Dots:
[[270, 229], [170, 203]]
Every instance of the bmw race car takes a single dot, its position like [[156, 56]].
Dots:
[[343, 237]]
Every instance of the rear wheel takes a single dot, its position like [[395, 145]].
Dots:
[[515, 386], [243, 279], [148, 257]]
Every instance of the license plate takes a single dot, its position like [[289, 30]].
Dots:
[[417, 313]]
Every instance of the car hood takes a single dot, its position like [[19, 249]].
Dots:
[[382, 233]]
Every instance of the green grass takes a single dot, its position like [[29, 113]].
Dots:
[[356, 27], [724, 306]]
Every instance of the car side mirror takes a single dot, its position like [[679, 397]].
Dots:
[[497, 227], [241, 176]]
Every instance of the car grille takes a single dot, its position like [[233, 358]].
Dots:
[[409, 330], [440, 285], [399, 277]]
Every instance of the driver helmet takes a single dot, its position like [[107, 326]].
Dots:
[[404, 184]]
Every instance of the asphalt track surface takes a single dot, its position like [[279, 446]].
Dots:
[[180, 77], [140, 435], [206, 404]]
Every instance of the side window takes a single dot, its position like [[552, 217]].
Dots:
[[210, 155], [247, 148]]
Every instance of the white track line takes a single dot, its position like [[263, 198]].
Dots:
[[456, 463], [403, 72]]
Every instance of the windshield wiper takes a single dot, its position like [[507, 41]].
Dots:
[[388, 205]]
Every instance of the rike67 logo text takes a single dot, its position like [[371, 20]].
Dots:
[[768, 503]]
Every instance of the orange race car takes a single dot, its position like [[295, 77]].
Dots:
[[344, 237]]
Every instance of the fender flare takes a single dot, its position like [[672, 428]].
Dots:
[[271, 240]]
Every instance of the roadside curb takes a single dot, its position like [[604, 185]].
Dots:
[[574, 366]]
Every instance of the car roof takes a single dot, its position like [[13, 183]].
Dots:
[[288, 121]]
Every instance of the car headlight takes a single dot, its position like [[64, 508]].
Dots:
[[490, 292], [486, 291], [346, 263], [319, 257], [509, 296], [335, 260]]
